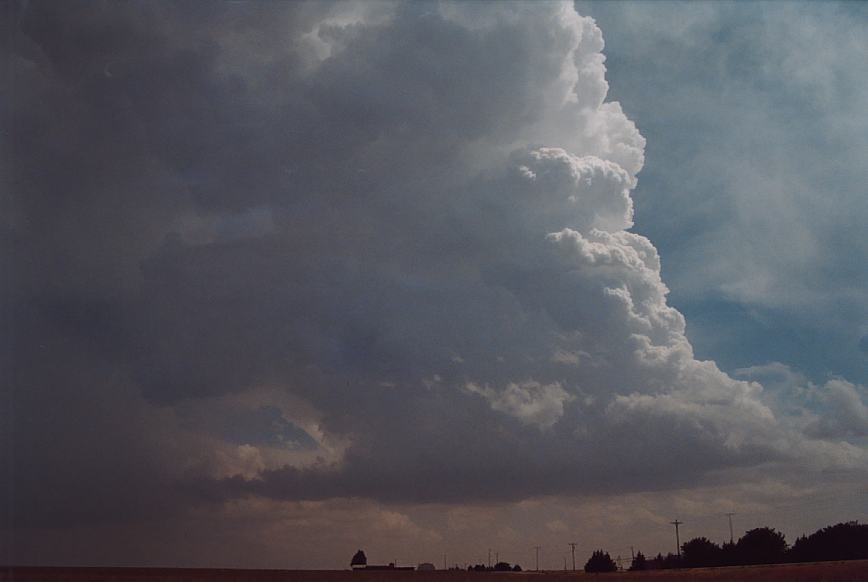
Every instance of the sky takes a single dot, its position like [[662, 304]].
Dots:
[[287, 280]]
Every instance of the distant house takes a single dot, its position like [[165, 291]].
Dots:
[[426, 567], [360, 562], [391, 566]]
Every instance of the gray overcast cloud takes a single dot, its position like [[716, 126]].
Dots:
[[339, 264]]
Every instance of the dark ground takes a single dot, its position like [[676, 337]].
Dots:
[[851, 571]]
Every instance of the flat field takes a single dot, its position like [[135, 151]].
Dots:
[[851, 571]]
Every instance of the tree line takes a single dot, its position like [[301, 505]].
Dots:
[[764, 545]]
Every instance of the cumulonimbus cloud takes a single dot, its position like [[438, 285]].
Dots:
[[407, 225]]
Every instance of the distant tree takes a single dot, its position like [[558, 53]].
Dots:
[[762, 545], [502, 567], [799, 551], [639, 562], [700, 552], [728, 555], [655, 563], [600, 561], [516, 568], [671, 561], [843, 541], [359, 559]]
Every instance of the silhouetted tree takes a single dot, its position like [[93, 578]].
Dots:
[[671, 561], [516, 568], [655, 563], [600, 561], [843, 541], [639, 562], [359, 559], [728, 555], [502, 567], [762, 545], [700, 552]]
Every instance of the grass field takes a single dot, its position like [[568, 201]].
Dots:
[[852, 571]]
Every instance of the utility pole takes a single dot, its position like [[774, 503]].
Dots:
[[676, 523], [489, 557], [573, 550], [537, 548], [632, 555], [444, 562], [731, 537], [497, 557]]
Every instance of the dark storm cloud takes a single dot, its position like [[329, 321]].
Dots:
[[115, 109], [343, 215]]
